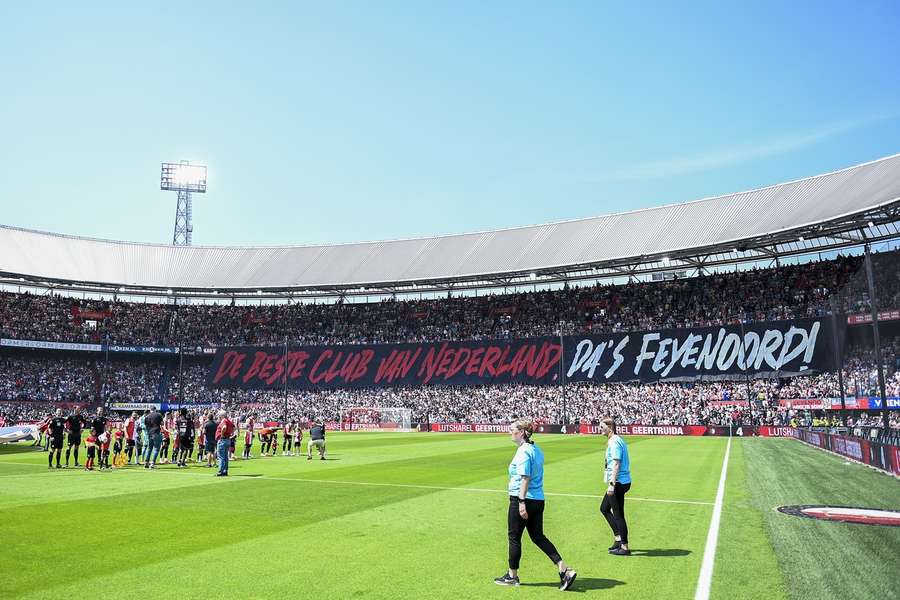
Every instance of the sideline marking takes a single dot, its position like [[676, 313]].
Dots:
[[709, 553]]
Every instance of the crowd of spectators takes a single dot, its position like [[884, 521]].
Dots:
[[29, 380], [783, 292]]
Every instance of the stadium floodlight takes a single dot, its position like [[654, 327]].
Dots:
[[183, 177], [186, 179], [871, 224], [665, 261], [532, 276]]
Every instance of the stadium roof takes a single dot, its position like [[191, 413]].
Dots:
[[834, 210]]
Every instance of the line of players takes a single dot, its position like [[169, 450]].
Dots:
[[131, 442]]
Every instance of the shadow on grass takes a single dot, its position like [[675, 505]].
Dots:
[[661, 552], [581, 584]]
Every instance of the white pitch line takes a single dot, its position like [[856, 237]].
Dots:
[[704, 584]]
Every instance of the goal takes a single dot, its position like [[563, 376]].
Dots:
[[372, 418]]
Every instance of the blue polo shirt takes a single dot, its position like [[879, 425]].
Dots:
[[617, 450], [527, 462]]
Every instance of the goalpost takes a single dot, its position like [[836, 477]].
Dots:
[[373, 418]]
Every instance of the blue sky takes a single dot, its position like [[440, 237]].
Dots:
[[357, 121]]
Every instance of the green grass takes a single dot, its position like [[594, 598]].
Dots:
[[285, 526], [819, 559]]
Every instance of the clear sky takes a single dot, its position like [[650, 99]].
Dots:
[[355, 121]]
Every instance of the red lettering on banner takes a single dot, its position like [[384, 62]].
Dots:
[[231, 365], [444, 364], [518, 363], [334, 370], [254, 368], [296, 363], [388, 367], [503, 368], [533, 359], [490, 358], [396, 365], [349, 366], [313, 377], [265, 371], [430, 364], [278, 372], [552, 356], [472, 365], [459, 361], [362, 366]]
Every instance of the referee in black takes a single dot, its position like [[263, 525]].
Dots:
[[75, 423], [56, 429]]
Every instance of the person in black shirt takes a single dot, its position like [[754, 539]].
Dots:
[[55, 430], [317, 439], [153, 422], [98, 428], [74, 423], [184, 429], [209, 439]]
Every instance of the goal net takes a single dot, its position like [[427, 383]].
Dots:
[[376, 419]]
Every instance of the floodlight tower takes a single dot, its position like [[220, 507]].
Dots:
[[184, 178]]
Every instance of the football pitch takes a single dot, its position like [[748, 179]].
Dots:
[[423, 515]]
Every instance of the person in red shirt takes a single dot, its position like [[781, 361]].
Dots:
[[248, 436], [129, 435], [42, 433], [119, 446], [287, 439], [91, 444], [164, 451], [298, 438], [224, 431]]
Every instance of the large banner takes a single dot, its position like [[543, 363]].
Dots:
[[534, 361], [786, 347]]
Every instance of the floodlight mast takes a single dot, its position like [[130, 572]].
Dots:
[[185, 179]]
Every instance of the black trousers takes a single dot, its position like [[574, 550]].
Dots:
[[534, 524], [613, 508]]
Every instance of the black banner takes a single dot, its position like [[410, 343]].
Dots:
[[789, 348], [533, 361], [786, 347]]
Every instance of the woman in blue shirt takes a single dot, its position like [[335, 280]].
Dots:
[[526, 506], [618, 480]]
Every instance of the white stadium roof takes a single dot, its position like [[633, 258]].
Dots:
[[839, 209]]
